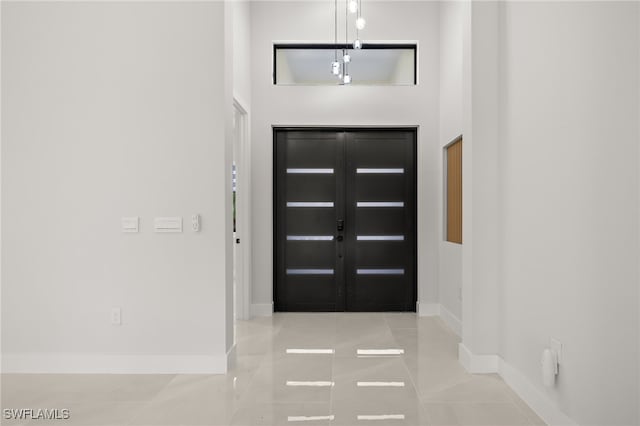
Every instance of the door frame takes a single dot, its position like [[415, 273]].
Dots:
[[242, 251], [274, 202]]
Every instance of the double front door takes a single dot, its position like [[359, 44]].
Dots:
[[345, 219]]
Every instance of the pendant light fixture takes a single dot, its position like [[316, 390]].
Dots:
[[346, 58], [353, 6], [340, 66]]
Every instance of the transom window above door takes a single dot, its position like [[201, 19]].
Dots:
[[375, 64]]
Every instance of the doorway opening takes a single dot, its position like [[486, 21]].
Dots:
[[241, 208], [345, 219]]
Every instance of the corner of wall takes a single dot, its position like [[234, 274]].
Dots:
[[231, 358], [454, 323]]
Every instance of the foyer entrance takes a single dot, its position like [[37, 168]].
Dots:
[[345, 219]]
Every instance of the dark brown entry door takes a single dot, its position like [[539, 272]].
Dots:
[[345, 220]]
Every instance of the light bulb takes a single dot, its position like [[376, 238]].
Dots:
[[357, 44], [360, 23], [346, 58], [335, 68], [347, 79], [353, 6]]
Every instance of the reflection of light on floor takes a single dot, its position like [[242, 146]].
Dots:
[[381, 417], [381, 384], [309, 418], [303, 383], [310, 351], [379, 352]]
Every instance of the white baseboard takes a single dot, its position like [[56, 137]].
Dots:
[[262, 309], [540, 403], [70, 363], [451, 320], [427, 309], [543, 406], [481, 364]]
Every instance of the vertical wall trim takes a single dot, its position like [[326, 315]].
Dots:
[[242, 152], [453, 322]]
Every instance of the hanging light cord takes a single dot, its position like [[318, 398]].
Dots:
[[346, 22], [335, 28], [346, 33], [359, 14]]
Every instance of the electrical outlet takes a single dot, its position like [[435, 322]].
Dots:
[[116, 316], [195, 223], [556, 346]]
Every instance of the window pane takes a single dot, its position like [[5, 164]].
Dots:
[[374, 64]]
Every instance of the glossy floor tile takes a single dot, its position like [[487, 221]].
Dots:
[[295, 369]]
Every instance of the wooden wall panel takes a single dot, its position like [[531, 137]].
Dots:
[[454, 192]]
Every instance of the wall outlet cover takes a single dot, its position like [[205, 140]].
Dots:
[[195, 223]]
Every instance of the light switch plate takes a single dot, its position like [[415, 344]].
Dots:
[[130, 224], [168, 224]]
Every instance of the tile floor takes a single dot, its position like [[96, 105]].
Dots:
[[269, 386]]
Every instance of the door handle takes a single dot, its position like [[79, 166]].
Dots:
[[340, 225], [339, 237]]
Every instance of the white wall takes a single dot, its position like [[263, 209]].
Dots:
[[570, 195], [552, 146], [452, 21], [242, 52], [344, 106], [111, 110], [1, 197]]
